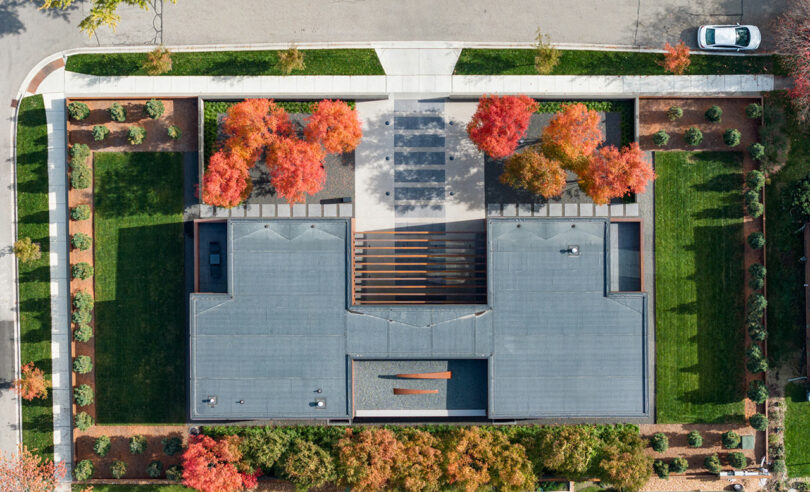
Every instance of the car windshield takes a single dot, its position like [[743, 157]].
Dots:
[[709, 36], [743, 36]]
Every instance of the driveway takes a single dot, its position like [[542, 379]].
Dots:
[[28, 35]]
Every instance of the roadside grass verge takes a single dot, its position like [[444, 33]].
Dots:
[[318, 62], [584, 62], [797, 431], [35, 277], [139, 287], [699, 287]]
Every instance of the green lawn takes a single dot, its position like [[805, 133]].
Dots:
[[139, 288], [785, 247], [318, 62], [699, 287], [797, 431], [582, 62], [35, 290]]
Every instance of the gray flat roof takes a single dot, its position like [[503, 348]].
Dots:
[[556, 343]]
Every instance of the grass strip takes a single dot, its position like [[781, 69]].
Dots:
[[35, 277], [699, 287], [585, 62], [139, 287], [318, 62], [797, 431]]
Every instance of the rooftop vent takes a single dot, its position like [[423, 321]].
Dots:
[[573, 250]]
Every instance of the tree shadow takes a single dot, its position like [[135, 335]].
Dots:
[[139, 186]]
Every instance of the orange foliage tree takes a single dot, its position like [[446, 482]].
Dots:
[[572, 135], [419, 467], [366, 458], [334, 125], [251, 125], [226, 182], [210, 465], [499, 123], [611, 173], [533, 171], [32, 383], [25, 471], [475, 458], [676, 58], [296, 168]]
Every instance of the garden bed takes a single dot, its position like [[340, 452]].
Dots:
[[318, 62]]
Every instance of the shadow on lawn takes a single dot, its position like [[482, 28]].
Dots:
[[122, 192]]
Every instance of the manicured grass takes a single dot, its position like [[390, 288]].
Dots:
[[797, 430], [35, 290], [139, 287], [699, 287], [318, 62], [133, 488], [577, 62], [785, 247]]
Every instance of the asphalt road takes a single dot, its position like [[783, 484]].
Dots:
[[28, 35]]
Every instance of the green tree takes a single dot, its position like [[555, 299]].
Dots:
[[731, 440], [546, 56], [758, 422], [567, 450], [26, 250], [659, 442], [83, 421], [712, 463], [80, 212], [661, 469], [100, 132], [737, 460], [83, 470], [118, 469], [137, 444], [679, 465], [263, 446], [307, 465], [694, 439], [82, 364], [102, 12], [78, 110], [628, 468], [154, 108]]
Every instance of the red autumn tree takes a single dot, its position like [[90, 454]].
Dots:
[[32, 383], [475, 458], [25, 471], [676, 58], [210, 465], [366, 458], [611, 173], [793, 43], [572, 135], [296, 168], [530, 170], [334, 125], [419, 469], [226, 182], [499, 123], [251, 125]]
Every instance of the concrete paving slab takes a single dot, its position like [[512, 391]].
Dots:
[[602, 210], [206, 211], [253, 210], [282, 210], [617, 210], [299, 210], [509, 209], [314, 210], [571, 210], [631, 209], [345, 209], [524, 210], [540, 210], [555, 210], [586, 209], [330, 210], [494, 210]]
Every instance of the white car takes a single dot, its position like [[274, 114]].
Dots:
[[734, 37]]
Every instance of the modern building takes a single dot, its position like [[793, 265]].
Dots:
[[288, 323]]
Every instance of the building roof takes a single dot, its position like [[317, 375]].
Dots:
[[556, 342]]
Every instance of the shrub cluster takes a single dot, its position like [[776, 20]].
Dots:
[[756, 361], [154, 108], [800, 199], [80, 212], [753, 206], [755, 180], [80, 175]]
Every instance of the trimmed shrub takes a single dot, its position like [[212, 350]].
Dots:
[[779, 467], [693, 136], [82, 364], [80, 177], [100, 132], [754, 209], [755, 180], [83, 395], [137, 444], [82, 270], [750, 196], [83, 333], [81, 241], [174, 132], [756, 283], [714, 114], [732, 137], [661, 469], [731, 440], [83, 421], [81, 316], [753, 110], [118, 469], [174, 472], [78, 110], [154, 469], [712, 463], [659, 442], [79, 153], [737, 460], [674, 113], [757, 151], [757, 271], [679, 465], [80, 212], [754, 351], [136, 135], [758, 422], [172, 445], [757, 365], [154, 108], [102, 446], [117, 112], [26, 250], [660, 138], [756, 240], [758, 392], [757, 331], [757, 303], [694, 439], [83, 470], [83, 301]]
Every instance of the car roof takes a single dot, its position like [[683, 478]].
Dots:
[[725, 36]]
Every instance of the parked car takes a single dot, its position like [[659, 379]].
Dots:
[[729, 37]]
